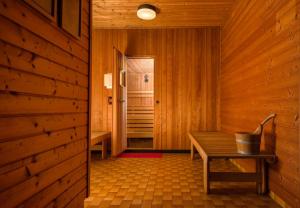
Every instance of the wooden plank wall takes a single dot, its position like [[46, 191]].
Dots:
[[43, 109], [139, 93], [260, 74], [185, 80]]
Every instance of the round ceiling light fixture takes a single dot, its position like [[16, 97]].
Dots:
[[146, 12]]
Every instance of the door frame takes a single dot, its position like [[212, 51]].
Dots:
[[154, 97], [90, 96]]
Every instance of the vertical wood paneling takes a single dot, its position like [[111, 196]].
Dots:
[[259, 75], [186, 66], [43, 109]]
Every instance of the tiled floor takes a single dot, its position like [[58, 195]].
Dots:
[[171, 181]]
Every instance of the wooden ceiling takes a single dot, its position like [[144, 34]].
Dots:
[[140, 65], [172, 13]]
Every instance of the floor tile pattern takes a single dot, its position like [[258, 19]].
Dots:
[[171, 181]]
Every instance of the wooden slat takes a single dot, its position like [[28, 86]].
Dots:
[[133, 112], [69, 195], [140, 108], [18, 58], [22, 104], [138, 121], [41, 162], [70, 181], [16, 81], [16, 127], [141, 125], [139, 135], [21, 148], [78, 200], [23, 38], [99, 136], [131, 130], [141, 95], [233, 176], [140, 91], [37, 183], [142, 116]]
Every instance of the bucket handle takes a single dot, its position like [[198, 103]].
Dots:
[[259, 129], [273, 115]]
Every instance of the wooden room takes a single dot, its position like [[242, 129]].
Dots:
[[159, 103]]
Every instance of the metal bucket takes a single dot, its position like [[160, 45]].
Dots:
[[247, 143]]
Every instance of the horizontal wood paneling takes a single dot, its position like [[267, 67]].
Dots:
[[25, 39], [43, 180], [43, 109], [16, 127], [17, 81], [26, 104], [259, 75], [34, 165], [74, 180], [21, 148], [185, 80], [139, 92], [23, 60]]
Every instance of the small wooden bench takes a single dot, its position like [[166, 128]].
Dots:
[[100, 137], [218, 145]]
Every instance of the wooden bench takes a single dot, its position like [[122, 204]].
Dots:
[[217, 145], [100, 137], [140, 122]]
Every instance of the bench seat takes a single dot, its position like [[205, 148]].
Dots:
[[218, 145], [140, 121], [98, 137]]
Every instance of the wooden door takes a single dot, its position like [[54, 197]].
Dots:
[[119, 104]]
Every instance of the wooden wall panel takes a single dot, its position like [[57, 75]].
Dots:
[[172, 13], [259, 75], [140, 93], [185, 80], [43, 109], [136, 81]]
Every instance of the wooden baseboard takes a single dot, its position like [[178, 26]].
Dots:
[[273, 196], [158, 151], [278, 200], [138, 149]]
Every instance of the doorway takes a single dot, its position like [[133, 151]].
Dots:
[[140, 103]]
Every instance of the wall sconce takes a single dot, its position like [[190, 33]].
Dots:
[[146, 78]]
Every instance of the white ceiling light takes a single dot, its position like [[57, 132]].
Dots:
[[146, 12]]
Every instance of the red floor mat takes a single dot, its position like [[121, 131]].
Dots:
[[140, 155]]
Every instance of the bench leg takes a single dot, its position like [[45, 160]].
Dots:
[[192, 151], [263, 177], [104, 149], [261, 174], [206, 175]]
